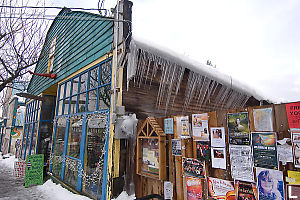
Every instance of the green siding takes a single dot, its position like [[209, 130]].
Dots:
[[78, 43]]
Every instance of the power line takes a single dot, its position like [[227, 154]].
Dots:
[[49, 7]]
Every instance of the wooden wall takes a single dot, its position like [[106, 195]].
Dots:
[[145, 185]]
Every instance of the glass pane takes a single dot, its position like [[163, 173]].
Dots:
[[93, 166], [81, 102], [62, 90], [48, 107], [67, 103], [46, 129], [28, 140], [33, 143], [75, 86], [73, 104], [71, 171], [74, 137], [92, 102], [24, 138], [94, 78], [105, 73], [83, 82], [104, 97], [68, 89], [59, 146], [60, 105]]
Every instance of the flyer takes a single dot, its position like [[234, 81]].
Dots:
[[294, 177], [176, 147], [284, 151], [217, 137], [264, 150], [295, 134], [183, 127], [218, 157], [194, 188], [203, 150], [270, 184], [293, 192], [293, 114], [263, 119], [241, 163], [245, 190], [169, 126], [168, 190], [238, 128], [220, 189], [193, 167], [200, 127]]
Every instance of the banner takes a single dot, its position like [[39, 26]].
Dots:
[[293, 114], [265, 150], [238, 128], [34, 170], [194, 188]]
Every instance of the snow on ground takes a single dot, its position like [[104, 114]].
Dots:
[[124, 196], [8, 161]]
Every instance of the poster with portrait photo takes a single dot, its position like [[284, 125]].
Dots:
[[245, 190], [194, 188], [220, 189], [217, 136], [193, 167], [203, 150], [263, 119], [200, 127], [183, 127], [270, 184], [238, 128], [264, 147], [218, 157]]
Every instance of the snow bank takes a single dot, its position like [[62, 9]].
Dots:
[[8, 160], [124, 196], [57, 192]]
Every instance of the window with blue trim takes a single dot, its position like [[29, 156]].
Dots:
[[81, 99]]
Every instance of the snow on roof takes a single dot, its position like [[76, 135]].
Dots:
[[194, 66]]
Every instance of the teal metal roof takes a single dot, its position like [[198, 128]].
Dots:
[[81, 38]]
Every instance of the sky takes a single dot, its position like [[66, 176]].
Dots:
[[254, 41]]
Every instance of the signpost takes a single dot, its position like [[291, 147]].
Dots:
[[34, 170]]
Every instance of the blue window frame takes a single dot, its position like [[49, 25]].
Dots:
[[80, 98]]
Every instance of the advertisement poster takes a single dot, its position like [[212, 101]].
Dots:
[[183, 127], [194, 188], [270, 184], [169, 126], [220, 189], [293, 192], [241, 163], [238, 128], [193, 167], [296, 146], [265, 150], [200, 127], [150, 156], [176, 147], [19, 169], [284, 151], [245, 191], [218, 157], [203, 150], [34, 170], [294, 177], [263, 119], [293, 114], [168, 190], [217, 137]]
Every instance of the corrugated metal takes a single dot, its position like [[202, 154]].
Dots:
[[81, 39]]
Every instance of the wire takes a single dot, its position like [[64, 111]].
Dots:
[[49, 7]]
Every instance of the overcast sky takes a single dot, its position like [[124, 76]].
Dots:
[[254, 41]]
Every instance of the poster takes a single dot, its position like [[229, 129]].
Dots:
[[293, 114], [245, 190], [217, 137], [295, 134], [218, 157], [183, 127], [34, 170], [193, 167], [203, 150], [150, 156], [176, 147], [200, 127], [293, 177], [219, 189], [19, 169], [194, 188], [238, 128], [168, 190], [241, 163], [269, 184], [169, 126], [284, 151], [265, 150], [293, 192], [263, 119]]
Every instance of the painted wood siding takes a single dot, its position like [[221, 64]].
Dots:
[[81, 38]]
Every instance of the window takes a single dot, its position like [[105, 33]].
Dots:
[[51, 55]]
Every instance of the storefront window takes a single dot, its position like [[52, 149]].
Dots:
[[104, 97], [28, 139], [33, 143], [92, 100]]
